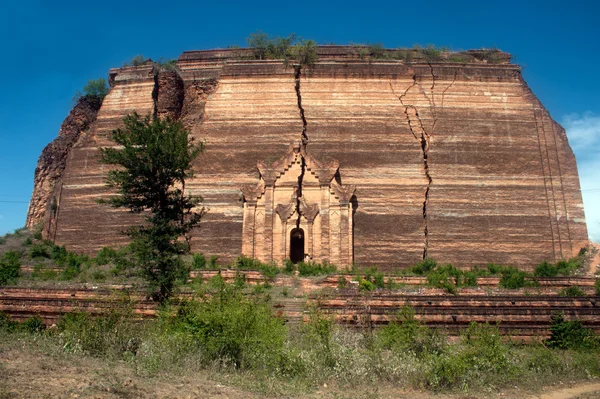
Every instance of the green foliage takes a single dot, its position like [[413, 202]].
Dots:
[[565, 334], [597, 286], [304, 53], [288, 266], [370, 280], [33, 325], [42, 272], [155, 158], [482, 356], [106, 255], [198, 261], [10, 267], [6, 324], [231, 329], [110, 335], [312, 268], [137, 60], [366, 285], [514, 278], [39, 251], [270, 47], [167, 65], [405, 333], [424, 267], [545, 269], [562, 267], [431, 52], [290, 48], [342, 282], [94, 90], [213, 262], [573, 291]]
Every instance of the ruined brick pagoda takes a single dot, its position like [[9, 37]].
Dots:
[[373, 162]]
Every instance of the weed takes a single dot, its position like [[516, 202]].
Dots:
[[213, 262], [565, 334], [424, 267], [32, 325], [10, 267], [573, 291], [288, 266], [106, 255], [42, 272], [198, 261], [342, 282], [312, 268]]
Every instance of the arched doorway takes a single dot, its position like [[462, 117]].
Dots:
[[297, 245]]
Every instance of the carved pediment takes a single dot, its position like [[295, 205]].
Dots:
[[343, 192], [323, 170], [270, 171], [252, 192], [310, 212]]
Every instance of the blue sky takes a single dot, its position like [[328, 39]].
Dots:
[[50, 49]]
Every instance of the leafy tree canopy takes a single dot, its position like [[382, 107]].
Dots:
[[155, 157]]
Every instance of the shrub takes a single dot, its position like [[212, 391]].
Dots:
[[447, 277], [288, 266], [366, 285], [246, 263], [514, 278], [39, 251], [342, 282], [231, 329], [106, 255], [370, 280], [304, 53], [405, 333], [198, 261], [43, 273], [94, 90], [424, 267], [566, 334], [98, 275], [573, 291], [137, 60], [33, 325], [312, 268], [10, 267], [213, 262], [545, 269], [6, 324], [107, 335]]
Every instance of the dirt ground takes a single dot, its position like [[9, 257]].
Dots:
[[32, 372]]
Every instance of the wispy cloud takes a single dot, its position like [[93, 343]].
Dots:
[[583, 131]]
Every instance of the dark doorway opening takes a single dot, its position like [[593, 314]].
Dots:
[[297, 245]]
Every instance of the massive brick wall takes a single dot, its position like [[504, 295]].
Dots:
[[459, 162]]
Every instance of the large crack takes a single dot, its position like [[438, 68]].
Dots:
[[303, 142], [420, 134]]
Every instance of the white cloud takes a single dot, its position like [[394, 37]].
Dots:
[[583, 131]]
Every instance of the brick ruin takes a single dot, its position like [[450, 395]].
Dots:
[[373, 162]]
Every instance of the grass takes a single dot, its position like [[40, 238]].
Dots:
[[239, 335]]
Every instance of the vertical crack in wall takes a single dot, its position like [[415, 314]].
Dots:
[[418, 131], [155, 93], [303, 142]]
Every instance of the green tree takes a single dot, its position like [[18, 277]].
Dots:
[[154, 160], [94, 90]]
